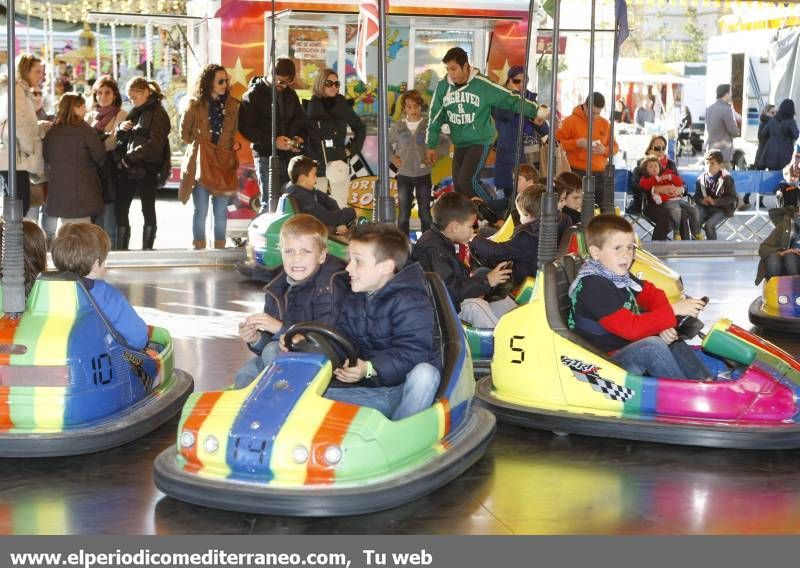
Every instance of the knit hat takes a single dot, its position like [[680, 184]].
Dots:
[[723, 90], [513, 71]]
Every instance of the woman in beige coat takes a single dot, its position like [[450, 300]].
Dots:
[[107, 113], [30, 130], [211, 114]]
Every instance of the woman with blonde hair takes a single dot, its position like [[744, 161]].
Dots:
[[143, 159], [106, 114], [73, 154], [211, 115], [329, 114], [29, 130]]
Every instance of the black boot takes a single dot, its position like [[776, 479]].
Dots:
[[123, 238], [148, 237]]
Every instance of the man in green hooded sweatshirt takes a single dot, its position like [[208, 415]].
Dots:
[[464, 102]]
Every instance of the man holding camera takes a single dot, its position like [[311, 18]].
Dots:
[[255, 124]]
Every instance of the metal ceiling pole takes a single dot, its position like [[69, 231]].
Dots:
[[274, 176], [13, 260], [587, 207], [384, 211], [548, 231], [519, 147], [607, 206]]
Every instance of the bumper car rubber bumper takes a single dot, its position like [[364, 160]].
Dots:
[[118, 429], [768, 437], [306, 501], [769, 322]]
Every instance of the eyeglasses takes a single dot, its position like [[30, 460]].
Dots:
[[222, 81], [657, 148], [37, 93], [284, 83], [332, 84], [516, 81]]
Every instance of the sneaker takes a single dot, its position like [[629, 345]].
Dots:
[[699, 237], [677, 238]]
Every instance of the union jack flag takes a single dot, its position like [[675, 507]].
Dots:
[[368, 31]]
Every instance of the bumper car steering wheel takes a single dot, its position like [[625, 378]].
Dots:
[[322, 339]]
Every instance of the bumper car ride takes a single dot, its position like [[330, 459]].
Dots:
[[547, 377], [70, 385], [279, 447], [778, 308]]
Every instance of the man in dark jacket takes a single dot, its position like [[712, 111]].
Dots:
[[307, 289], [255, 123], [453, 217], [390, 318]]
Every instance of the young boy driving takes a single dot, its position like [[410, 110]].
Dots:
[[303, 175], [305, 290], [523, 247], [389, 317], [82, 248], [628, 318], [453, 218]]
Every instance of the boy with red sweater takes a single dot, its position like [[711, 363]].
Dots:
[[628, 318], [665, 188]]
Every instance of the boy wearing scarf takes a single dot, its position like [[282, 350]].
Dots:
[[714, 194], [628, 318]]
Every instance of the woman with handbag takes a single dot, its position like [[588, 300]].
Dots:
[[142, 156], [329, 115], [74, 154], [210, 167], [30, 130], [106, 115]]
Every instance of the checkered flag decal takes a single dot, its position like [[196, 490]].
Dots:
[[360, 168], [588, 373]]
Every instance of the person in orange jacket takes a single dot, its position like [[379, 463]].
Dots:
[[573, 134]]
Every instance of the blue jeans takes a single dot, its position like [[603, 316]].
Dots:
[[399, 401], [406, 186], [786, 265], [710, 217], [220, 204], [255, 365], [108, 221], [652, 357], [262, 175]]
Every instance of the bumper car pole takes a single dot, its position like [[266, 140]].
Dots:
[[384, 203], [523, 94], [274, 176], [588, 181], [548, 231], [610, 175], [13, 260]]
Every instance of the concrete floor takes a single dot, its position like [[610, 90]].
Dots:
[[528, 483]]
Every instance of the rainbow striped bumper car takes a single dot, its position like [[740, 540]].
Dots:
[[279, 447], [68, 382], [778, 308], [547, 377], [262, 251]]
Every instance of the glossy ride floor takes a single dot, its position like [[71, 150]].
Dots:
[[528, 483]]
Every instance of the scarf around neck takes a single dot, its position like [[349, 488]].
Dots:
[[103, 116], [594, 268]]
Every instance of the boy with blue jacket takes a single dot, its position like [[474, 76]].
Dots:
[[305, 290], [82, 248], [389, 317]]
